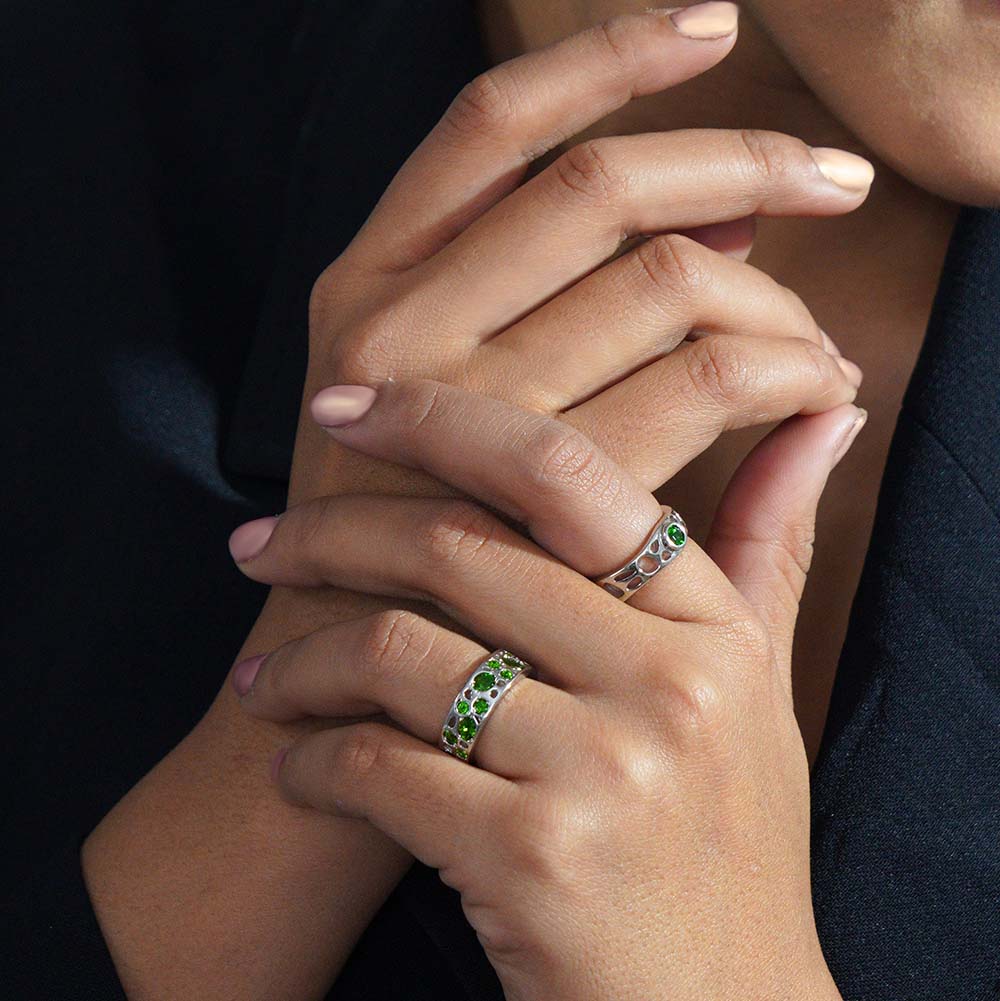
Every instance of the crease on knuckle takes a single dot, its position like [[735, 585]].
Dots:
[[562, 459], [719, 372], [305, 538], [361, 752], [618, 37], [769, 156], [674, 266], [391, 641], [459, 534], [586, 172], [487, 106]]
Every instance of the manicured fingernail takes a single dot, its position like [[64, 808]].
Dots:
[[849, 435], [250, 539], [852, 373], [828, 344], [847, 170], [338, 406], [707, 20], [277, 761], [245, 672]]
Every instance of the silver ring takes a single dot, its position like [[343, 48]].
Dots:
[[663, 544], [486, 686]]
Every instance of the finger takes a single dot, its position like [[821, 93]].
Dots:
[[656, 421], [574, 215], [575, 502], [414, 793], [763, 530], [401, 664], [635, 310], [516, 112], [734, 238], [481, 572]]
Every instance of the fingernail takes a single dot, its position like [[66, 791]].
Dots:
[[852, 432], [828, 344], [852, 373], [277, 761], [250, 539], [707, 20], [338, 406], [849, 171], [245, 672]]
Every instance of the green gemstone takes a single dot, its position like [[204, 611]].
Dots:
[[506, 674], [464, 755], [493, 662], [450, 737], [462, 707], [509, 658], [676, 535], [484, 681], [467, 728], [480, 705]]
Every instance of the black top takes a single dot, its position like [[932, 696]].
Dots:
[[174, 178]]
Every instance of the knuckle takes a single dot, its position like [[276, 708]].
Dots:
[[695, 706], [818, 364], [617, 34], [552, 834], [769, 156], [675, 265], [361, 751], [587, 171], [458, 533], [305, 533], [748, 640], [486, 105], [367, 351], [390, 642], [561, 459], [718, 371]]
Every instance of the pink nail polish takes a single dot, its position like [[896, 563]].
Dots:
[[277, 761], [245, 672], [250, 539], [848, 440], [338, 406]]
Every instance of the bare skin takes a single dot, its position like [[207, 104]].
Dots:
[[179, 863], [871, 288]]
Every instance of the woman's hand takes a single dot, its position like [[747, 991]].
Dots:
[[639, 825], [465, 275]]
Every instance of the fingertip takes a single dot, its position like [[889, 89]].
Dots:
[[248, 541]]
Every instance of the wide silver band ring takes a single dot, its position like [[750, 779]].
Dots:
[[486, 686], [663, 544]]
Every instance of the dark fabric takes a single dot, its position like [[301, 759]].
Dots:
[[174, 177], [906, 802]]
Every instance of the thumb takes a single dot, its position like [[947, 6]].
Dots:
[[762, 536]]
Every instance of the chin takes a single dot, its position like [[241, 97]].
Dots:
[[954, 153]]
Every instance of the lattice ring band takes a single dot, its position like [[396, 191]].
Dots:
[[663, 544], [486, 686]]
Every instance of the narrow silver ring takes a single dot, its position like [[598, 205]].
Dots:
[[663, 544], [486, 686]]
